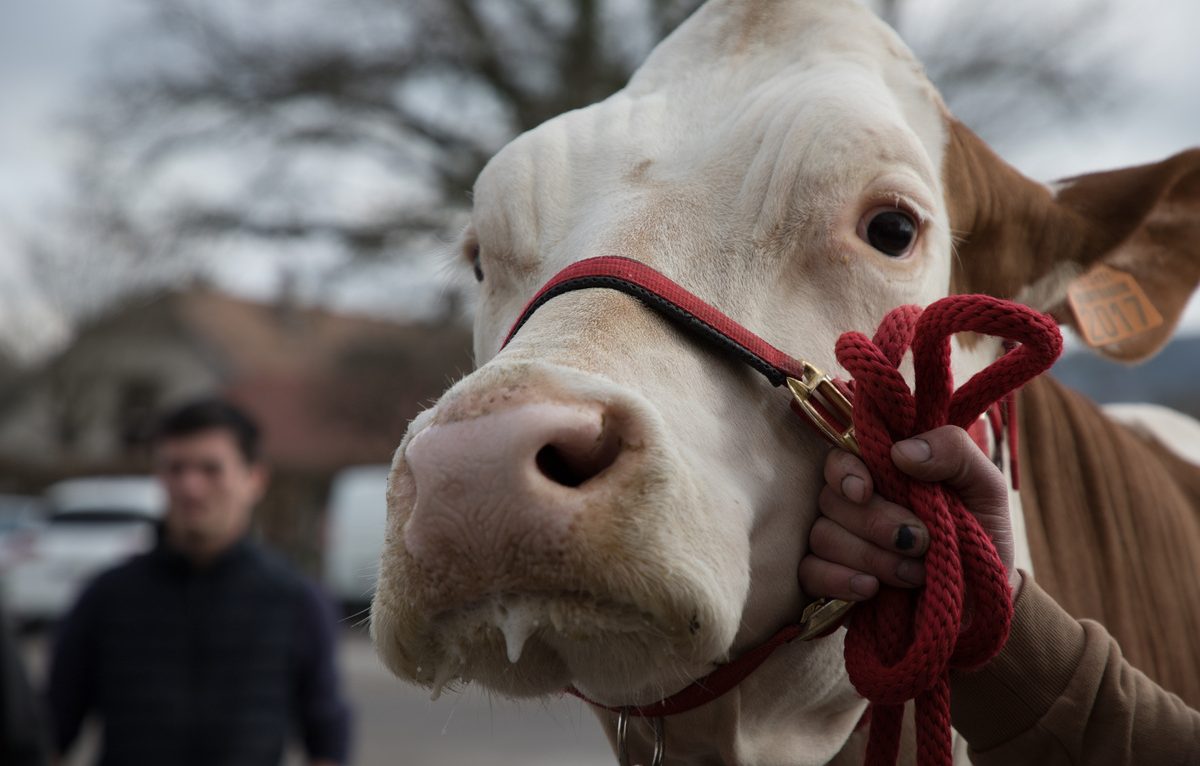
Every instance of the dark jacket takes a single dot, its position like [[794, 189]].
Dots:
[[200, 666], [22, 736]]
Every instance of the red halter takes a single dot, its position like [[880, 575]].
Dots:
[[821, 399], [672, 301]]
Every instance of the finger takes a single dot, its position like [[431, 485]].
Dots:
[[848, 475], [820, 578], [948, 454], [831, 542], [879, 521]]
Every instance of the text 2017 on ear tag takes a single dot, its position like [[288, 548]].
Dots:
[[1110, 306]]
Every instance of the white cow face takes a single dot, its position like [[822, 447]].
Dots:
[[606, 503]]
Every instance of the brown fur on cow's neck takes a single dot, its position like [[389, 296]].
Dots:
[[1114, 527]]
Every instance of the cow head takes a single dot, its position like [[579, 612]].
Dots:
[[606, 503]]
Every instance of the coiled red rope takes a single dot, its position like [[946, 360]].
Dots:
[[902, 644]]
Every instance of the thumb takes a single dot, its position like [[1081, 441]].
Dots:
[[948, 455]]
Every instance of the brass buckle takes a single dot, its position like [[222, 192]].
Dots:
[[822, 616], [837, 424], [815, 383]]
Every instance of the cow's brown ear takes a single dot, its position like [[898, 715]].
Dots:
[[1114, 254]]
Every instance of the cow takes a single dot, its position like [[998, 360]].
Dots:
[[607, 504]]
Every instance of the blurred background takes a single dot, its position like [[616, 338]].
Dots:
[[253, 199]]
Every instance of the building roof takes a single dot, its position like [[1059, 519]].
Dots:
[[329, 389]]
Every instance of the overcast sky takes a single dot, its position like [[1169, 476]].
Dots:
[[48, 47]]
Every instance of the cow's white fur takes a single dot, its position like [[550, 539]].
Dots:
[[1174, 430], [738, 160]]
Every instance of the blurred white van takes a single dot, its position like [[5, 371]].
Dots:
[[20, 518], [355, 523], [91, 524]]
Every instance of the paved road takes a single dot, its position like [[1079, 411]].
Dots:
[[398, 725]]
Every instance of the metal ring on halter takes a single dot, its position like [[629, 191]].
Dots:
[[622, 732], [660, 740]]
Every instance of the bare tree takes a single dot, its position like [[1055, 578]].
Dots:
[[343, 135], [1011, 69], [417, 95]]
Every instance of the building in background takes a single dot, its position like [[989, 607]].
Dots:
[[330, 391]]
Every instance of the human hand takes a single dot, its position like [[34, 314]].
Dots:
[[861, 540]]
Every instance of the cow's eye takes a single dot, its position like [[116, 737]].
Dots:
[[475, 264], [890, 231]]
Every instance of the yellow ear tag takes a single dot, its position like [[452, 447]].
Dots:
[[1110, 306]]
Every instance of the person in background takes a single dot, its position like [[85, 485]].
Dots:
[[1059, 692], [22, 730], [208, 649]]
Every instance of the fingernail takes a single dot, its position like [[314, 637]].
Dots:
[[916, 450], [905, 538], [910, 572], [863, 585], [854, 488]]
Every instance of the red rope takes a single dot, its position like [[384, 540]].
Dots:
[[902, 644]]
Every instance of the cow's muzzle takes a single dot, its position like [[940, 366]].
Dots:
[[538, 528]]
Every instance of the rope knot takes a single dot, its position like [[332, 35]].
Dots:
[[902, 644]]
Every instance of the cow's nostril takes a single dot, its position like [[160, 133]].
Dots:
[[573, 464]]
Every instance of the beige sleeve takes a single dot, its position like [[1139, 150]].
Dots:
[[1061, 693]]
